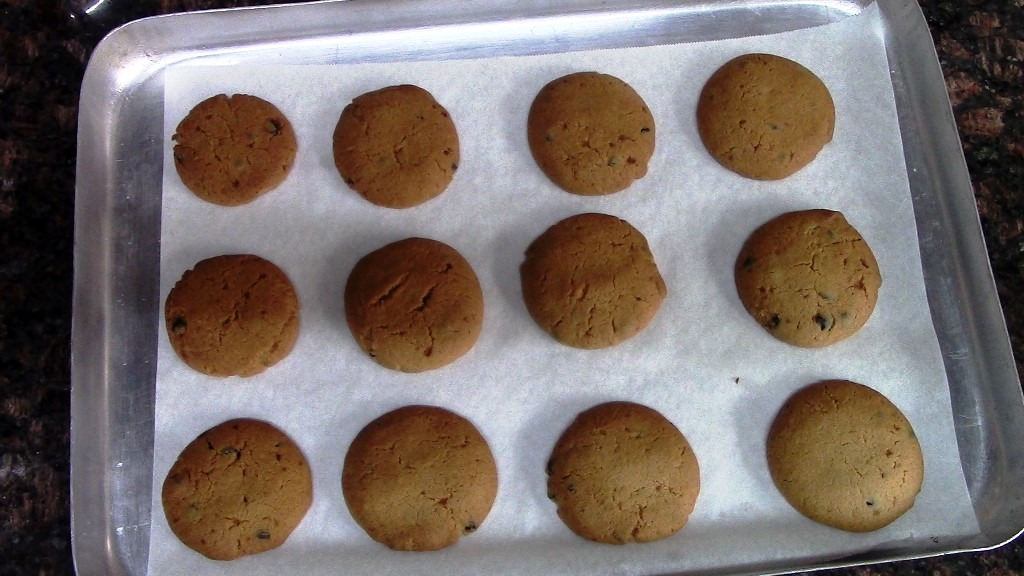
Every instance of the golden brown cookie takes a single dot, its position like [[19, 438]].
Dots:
[[623, 473], [808, 278], [591, 133], [397, 147], [240, 488], [414, 305], [591, 281], [233, 315], [418, 478], [229, 150], [843, 455], [765, 117]]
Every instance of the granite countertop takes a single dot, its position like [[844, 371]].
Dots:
[[44, 48]]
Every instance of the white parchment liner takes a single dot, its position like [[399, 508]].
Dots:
[[703, 362]]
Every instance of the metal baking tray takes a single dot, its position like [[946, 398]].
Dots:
[[118, 200]]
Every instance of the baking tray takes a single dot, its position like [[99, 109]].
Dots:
[[117, 233]]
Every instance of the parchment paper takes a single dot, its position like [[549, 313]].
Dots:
[[703, 362]]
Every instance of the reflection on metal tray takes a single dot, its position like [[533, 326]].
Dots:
[[116, 301]]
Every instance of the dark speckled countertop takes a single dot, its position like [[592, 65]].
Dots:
[[44, 48]]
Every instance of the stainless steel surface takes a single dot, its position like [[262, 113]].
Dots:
[[117, 230], [984, 387]]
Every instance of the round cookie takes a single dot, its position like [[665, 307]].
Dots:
[[233, 315], [240, 488], [591, 281], [765, 117], [623, 473], [229, 150], [591, 133], [808, 278], [397, 147], [843, 455], [414, 305], [418, 478]]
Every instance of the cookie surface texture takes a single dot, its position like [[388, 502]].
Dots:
[[233, 315], [414, 305], [808, 278], [623, 473], [230, 150], [240, 488], [843, 455], [397, 147], [591, 281], [765, 117], [591, 133], [419, 478]]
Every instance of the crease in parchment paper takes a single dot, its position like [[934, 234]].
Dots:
[[702, 362]]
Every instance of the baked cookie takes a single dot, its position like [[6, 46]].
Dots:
[[229, 150], [765, 117], [414, 305], [240, 488], [843, 455], [591, 133], [233, 315], [808, 278], [591, 281], [397, 147], [623, 473], [418, 478]]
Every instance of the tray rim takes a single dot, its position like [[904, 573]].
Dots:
[[95, 543]]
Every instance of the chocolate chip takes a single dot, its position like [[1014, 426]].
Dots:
[[548, 138], [748, 262], [263, 534], [845, 318], [179, 159], [774, 322], [454, 166], [870, 502], [645, 130], [571, 489], [349, 181], [274, 127], [469, 528], [179, 325], [229, 451], [824, 321], [549, 466]]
